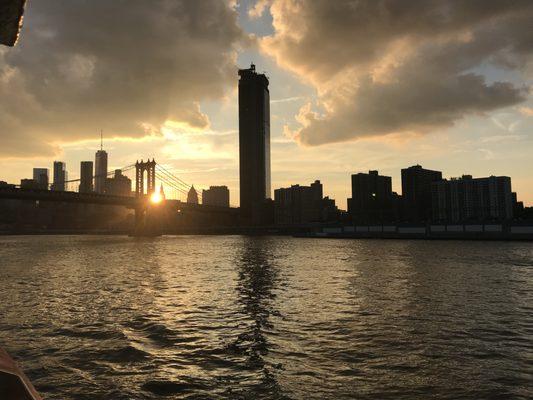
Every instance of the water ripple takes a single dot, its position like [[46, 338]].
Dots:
[[268, 318]]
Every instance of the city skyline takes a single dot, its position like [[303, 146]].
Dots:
[[266, 199], [482, 142]]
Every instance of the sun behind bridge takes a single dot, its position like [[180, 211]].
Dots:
[[156, 198]]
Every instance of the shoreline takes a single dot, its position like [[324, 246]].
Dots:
[[506, 236]]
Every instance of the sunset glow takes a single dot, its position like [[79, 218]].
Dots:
[[156, 198]]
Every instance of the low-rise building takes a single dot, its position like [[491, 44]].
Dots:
[[118, 185], [192, 196], [302, 204], [216, 196], [29, 184], [472, 199]]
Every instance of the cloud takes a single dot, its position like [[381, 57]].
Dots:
[[502, 138], [383, 67], [122, 66], [487, 154], [528, 111], [257, 10]]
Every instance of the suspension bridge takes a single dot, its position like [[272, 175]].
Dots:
[[154, 186]]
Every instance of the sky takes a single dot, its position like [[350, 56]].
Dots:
[[354, 86]]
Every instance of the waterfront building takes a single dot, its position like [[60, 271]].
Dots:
[[40, 175], [416, 192], [518, 206], [303, 204], [330, 212], [254, 145], [60, 176], [86, 177], [118, 185], [372, 199], [216, 196], [472, 199], [192, 196], [100, 171]]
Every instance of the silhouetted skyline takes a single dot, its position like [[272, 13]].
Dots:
[[388, 102]]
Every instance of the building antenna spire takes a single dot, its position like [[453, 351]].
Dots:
[[101, 139]]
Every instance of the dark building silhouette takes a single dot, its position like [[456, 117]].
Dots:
[[254, 145], [330, 212], [86, 177], [40, 175], [29, 184], [472, 199], [100, 171], [518, 206], [298, 204], [372, 198], [216, 196], [118, 185], [416, 192], [4, 184], [192, 196], [60, 176]]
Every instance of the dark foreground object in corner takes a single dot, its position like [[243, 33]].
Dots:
[[14, 385], [10, 20]]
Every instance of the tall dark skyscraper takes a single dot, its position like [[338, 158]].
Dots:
[[254, 144], [86, 177], [416, 192], [60, 176], [100, 168]]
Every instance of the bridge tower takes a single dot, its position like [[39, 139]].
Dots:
[[141, 228], [140, 168]]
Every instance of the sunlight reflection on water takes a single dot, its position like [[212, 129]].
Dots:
[[268, 317]]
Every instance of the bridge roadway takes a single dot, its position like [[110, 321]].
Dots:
[[10, 193]]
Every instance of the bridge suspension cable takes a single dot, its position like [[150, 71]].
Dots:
[[108, 174], [171, 185], [176, 182]]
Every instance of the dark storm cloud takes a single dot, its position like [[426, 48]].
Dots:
[[389, 66], [123, 66]]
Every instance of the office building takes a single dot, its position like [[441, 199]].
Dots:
[[216, 196], [86, 177], [118, 185], [416, 192], [302, 204], [372, 199], [100, 171], [468, 199], [192, 196], [60, 176], [254, 145], [40, 175]]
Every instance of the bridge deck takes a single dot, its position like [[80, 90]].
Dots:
[[10, 193]]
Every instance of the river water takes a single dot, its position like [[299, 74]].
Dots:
[[232, 317]]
